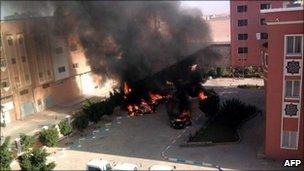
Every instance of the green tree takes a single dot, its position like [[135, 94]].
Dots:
[[65, 128], [49, 137], [80, 121], [35, 160], [6, 155], [222, 71], [26, 141]]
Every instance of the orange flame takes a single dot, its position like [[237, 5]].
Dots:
[[127, 88], [202, 95], [155, 97]]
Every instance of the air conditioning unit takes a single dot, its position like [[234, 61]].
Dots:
[[258, 36]]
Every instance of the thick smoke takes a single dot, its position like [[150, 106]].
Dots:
[[130, 40], [25, 9]]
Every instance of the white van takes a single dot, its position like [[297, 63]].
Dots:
[[161, 167], [125, 166], [98, 165]]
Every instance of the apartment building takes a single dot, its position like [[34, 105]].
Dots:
[[248, 31], [39, 68], [282, 60]]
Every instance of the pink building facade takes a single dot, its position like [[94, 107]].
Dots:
[[282, 60], [248, 31]]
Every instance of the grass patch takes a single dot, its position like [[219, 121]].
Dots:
[[216, 133]]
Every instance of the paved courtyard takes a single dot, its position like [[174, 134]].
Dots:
[[142, 140]]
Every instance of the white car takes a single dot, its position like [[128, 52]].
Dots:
[[161, 167], [98, 165], [125, 166]]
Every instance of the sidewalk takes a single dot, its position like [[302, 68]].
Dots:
[[32, 124]]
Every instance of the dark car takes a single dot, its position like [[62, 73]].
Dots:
[[180, 124]]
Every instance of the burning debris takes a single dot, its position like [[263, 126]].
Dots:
[[132, 41], [138, 104], [202, 95]]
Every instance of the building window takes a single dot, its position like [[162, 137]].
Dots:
[[10, 41], [59, 83], [292, 88], [243, 50], [13, 60], [265, 6], [264, 36], [58, 50], [20, 40], [263, 21], [242, 36], [61, 69], [242, 8], [46, 85], [290, 139], [48, 72], [39, 102], [17, 79], [75, 65], [26, 77], [23, 59], [2, 63], [4, 83], [23, 92], [242, 22], [73, 47], [40, 75], [294, 44]]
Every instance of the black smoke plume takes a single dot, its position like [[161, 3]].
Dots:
[[130, 40]]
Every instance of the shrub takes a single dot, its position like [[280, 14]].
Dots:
[[233, 112], [210, 106], [6, 155], [222, 71], [108, 107], [35, 160], [116, 97], [87, 103], [80, 121], [99, 109], [65, 128], [26, 142], [247, 86], [49, 137], [92, 112], [212, 72]]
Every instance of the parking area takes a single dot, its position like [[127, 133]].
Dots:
[[142, 140]]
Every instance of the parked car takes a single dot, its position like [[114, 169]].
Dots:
[[98, 165], [161, 167], [180, 124], [125, 166]]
